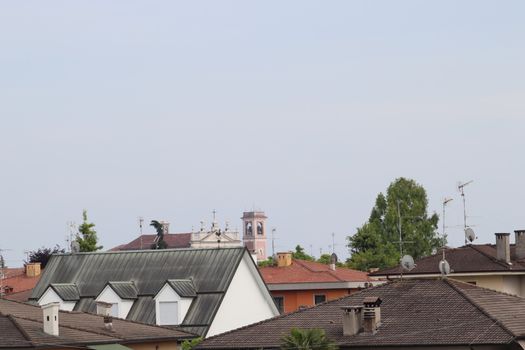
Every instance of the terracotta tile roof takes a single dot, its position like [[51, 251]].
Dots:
[[174, 240], [17, 281], [414, 312], [469, 258], [21, 325], [301, 271]]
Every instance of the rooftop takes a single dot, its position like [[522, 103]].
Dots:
[[21, 326], [440, 312], [467, 259], [302, 271], [139, 275], [173, 240]]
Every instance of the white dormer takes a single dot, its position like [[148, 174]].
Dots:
[[173, 301], [66, 294], [121, 296]]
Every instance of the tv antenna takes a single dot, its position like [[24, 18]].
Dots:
[[273, 242], [444, 266], [72, 231], [141, 222], [407, 261], [445, 202], [469, 233]]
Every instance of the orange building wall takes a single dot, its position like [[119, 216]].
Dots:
[[293, 299]]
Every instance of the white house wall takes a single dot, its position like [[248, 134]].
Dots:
[[246, 301], [108, 295], [50, 296], [167, 294]]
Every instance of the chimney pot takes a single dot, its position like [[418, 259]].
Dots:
[[352, 320], [50, 313], [103, 308], [284, 259], [33, 269], [503, 246], [371, 314], [108, 323], [520, 244]]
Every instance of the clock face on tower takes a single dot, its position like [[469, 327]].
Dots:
[[249, 231]]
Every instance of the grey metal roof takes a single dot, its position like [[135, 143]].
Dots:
[[86, 305], [143, 310], [66, 291], [184, 288], [208, 302], [125, 290], [210, 271]]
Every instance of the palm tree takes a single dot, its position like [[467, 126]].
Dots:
[[307, 339]]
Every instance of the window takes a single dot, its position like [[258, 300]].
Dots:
[[169, 312], [320, 298], [114, 310], [279, 302]]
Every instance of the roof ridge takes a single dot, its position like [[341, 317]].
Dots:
[[473, 246], [476, 305], [20, 328], [147, 251], [299, 310]]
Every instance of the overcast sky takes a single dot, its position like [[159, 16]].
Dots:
[[303, 109]]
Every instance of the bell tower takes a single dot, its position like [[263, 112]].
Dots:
[[254, 233]]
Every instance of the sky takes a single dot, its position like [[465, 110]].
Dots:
[[169, 110]]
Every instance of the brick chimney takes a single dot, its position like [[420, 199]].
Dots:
[[520, 244], [32, 269], [503, 247], [50, 312], [371, 314], [352, 320], [284, 259]]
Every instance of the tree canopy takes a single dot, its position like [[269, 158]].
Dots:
[[301, 255], [376, 243], [42, 255], [87, 238]]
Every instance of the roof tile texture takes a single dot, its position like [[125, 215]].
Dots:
[[74, 327], [301, 271], [413, 312]]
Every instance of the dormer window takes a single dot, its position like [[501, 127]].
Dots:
[[121, 295], [173, 301], [66, 294]]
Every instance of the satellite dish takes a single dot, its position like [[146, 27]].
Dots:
[[470, 236], [444, 267], [407, 263], [75, 247], [333, 258]]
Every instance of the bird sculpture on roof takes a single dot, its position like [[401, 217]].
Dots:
[[159, 242]]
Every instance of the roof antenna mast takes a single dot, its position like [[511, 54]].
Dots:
[[469, 233], [407, 261], [444, 266]]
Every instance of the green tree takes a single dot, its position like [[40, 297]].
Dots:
[[301, 255], [42, 255], [87, 238], [267, 262], [307, 339], [376, 243], [189, 344]]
